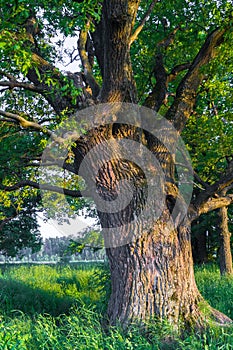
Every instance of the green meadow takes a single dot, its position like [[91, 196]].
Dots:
[[64, 307]]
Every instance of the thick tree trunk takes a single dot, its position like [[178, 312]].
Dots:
[[225, 256], [150, 260], [153, 277]]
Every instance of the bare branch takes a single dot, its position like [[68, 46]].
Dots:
[[13, 83], [46, 187], [66, 166], [141, 25], [8, 120], [8, 75]]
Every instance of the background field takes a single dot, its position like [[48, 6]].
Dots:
[[63, 307]]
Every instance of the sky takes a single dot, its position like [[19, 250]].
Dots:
[[69, 43], [51, 228]]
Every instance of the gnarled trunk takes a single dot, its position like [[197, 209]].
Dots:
[[150, 254]]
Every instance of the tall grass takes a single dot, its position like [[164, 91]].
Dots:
[[217, 290], [63, 308]]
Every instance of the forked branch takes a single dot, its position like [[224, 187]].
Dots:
[[177, 69], [210, 205], [141, 25], [214, 196], [182, 107]]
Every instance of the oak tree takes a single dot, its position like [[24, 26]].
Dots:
[[159, 55]]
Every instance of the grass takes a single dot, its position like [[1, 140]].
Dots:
[[217, 290], [59, 308]]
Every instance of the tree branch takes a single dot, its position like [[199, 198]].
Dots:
[[29, 124], [46, 187], [66, 166], [82, 42], [8, 75], [214, 196], [141, 25], [200, 181], [13, 84], [182, 107], [168, 40], [159, 91], [40, 69], [211, 204], [158, 95], [177, 69]]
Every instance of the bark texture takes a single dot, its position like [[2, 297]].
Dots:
[[225, 256], [115, 31], [154, 277]]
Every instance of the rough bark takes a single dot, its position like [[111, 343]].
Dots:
[[116, 29], [154, 277]]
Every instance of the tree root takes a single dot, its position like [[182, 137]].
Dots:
[[220, 319]]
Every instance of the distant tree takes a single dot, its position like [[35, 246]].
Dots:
[[225, 254], [212, 157], [19, 228]]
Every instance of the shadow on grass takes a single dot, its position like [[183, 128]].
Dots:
[[15, 295]]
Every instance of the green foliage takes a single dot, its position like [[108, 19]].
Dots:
[[91, 239], [21, 54], [194, 20], [18, 225], [212, 122]]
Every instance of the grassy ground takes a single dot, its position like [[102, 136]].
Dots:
[[61, 308]]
